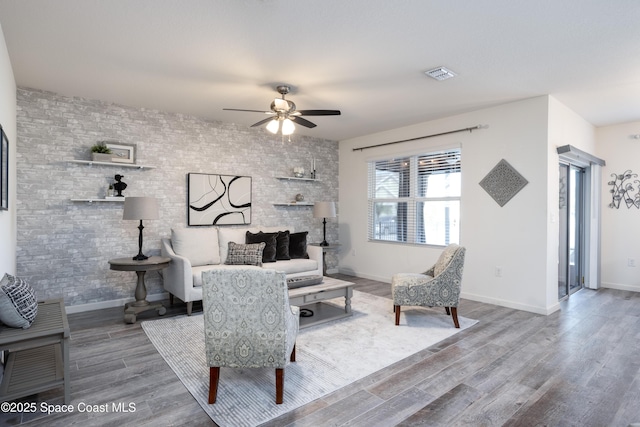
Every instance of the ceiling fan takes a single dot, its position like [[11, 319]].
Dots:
[[284, 111]]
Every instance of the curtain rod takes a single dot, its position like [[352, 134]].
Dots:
[[419, 137]]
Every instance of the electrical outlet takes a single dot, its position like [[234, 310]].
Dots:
[[631, 262], [498, 271]]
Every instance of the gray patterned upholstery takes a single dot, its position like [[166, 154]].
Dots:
[[437, 287], [248, 322]]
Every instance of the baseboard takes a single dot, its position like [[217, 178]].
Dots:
[[332, 271], [111, 303], [620, 286], [511, 304], [350, 272], [473, 297]]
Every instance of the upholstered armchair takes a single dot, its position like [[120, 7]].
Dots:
[[437, 287], [248, 323]]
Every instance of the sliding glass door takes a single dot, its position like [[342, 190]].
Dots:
[[571, 221]]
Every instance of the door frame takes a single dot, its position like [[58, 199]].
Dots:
[[592, 204]]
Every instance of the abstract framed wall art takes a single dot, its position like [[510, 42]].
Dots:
[[122, 153], [4, 171], [218, 199]]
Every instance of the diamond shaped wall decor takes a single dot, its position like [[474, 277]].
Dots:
[[503, 182]]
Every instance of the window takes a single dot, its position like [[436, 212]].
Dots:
[[416, 199]]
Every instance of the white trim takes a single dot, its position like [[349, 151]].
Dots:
[[494, 301], [80, 308], [620, 286], [510, 304]]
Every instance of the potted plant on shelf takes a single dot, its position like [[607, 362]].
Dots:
[[101, 153]]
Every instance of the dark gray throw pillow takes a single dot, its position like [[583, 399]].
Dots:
[[282, 245], [298, 245], [269, 239]]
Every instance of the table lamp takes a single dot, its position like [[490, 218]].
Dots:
[[139, 208], [324, 210]]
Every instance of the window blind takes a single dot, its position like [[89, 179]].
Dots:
[[401, 191]]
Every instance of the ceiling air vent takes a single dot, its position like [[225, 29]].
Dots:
[[440, 73]]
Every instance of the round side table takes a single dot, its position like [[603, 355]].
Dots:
[[131, 309]]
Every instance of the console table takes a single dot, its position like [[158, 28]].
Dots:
[[37, 359], [325, 249], [131, 309]]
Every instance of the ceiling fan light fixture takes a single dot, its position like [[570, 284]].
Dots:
[[287, 127], [280, 104], [273, 126]]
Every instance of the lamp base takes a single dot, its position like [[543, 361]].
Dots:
[[140, 257], [324, 243]]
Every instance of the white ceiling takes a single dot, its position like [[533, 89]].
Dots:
[[363, 57]]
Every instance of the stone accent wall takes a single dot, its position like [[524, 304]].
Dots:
[[64, 246]]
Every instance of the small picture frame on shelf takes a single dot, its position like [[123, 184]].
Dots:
[[122, 153]]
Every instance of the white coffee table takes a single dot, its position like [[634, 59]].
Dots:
[[312, 298]]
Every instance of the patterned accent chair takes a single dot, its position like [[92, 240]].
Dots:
[[437, 287], [248, 322]]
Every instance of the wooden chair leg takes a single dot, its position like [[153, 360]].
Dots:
[[454, 314], [293, 354], [396, 308], [279, 385], [447, 310], [214, 376], [170, 299], [189, 308]]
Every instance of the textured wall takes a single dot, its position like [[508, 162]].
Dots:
[[64, 246]]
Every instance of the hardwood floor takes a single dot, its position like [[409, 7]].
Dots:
[[577, 367]]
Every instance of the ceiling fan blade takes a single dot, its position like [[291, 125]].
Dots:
[[319, 112], [261, 122], [249, 111], [303, 122]]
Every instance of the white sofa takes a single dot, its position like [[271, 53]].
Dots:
[[194, 250]]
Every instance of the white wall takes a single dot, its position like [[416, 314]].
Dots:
[[513, 237], [620, 227], [8, 121], [565, 128]]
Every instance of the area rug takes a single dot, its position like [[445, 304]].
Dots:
[[328, 356]]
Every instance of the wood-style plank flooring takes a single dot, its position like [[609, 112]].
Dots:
[[577, 367]]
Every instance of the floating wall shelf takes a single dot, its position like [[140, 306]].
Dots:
[[293, 178], [293, 204], [98, 200], [123, 165]]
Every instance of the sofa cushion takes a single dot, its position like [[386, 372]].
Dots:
[[198, 245], [270, 241], [298, 245], [294, 266], [245, 254], [18, 302], [197, 271]]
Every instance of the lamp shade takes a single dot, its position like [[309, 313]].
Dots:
[[324, 210], [136, 208]]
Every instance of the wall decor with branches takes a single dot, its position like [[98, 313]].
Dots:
[[625, 188]]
